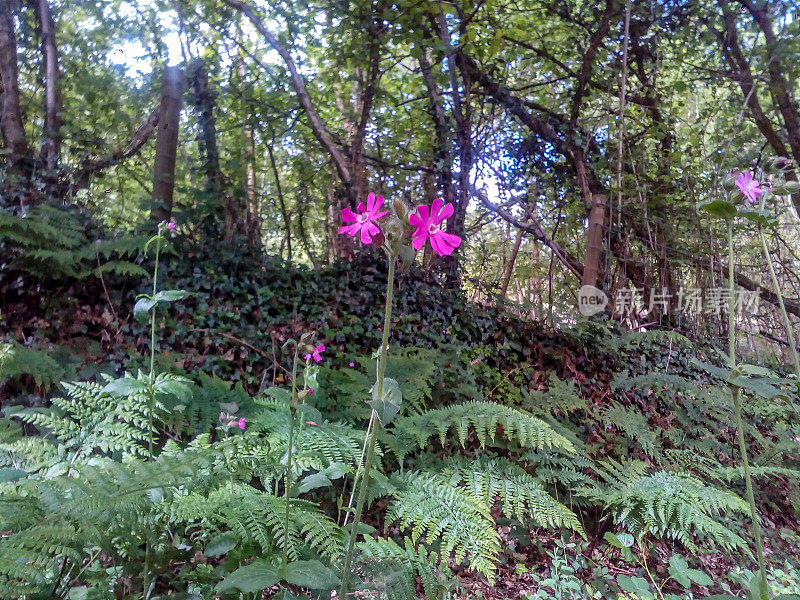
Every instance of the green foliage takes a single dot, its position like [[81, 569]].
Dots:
[[391, 570], [439, 512], [673, 505], [482, 419], [520, 495], [51, 242]]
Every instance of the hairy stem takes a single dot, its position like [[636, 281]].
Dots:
[[737, 407], [288, 478], [362, 490], [787, 323], [151, 398]]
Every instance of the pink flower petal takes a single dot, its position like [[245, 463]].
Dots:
[[435, 208], [371, 201], [320, 348], [348, 215], [419, 241], [424, 212], [445, 213], [366, 238], [436, 245], [361, 208]]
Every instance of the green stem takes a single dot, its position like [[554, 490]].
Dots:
[[359, 469], [288, 478], [787, 323], [151, 399], [362, 490], [737, 407]]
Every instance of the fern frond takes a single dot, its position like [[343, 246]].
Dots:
[[391, 570], [520, 494], [437, 511], [482, 418]]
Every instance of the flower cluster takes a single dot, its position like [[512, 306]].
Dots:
[[427, 221], [229, 420], [167, 226], [316, 353]]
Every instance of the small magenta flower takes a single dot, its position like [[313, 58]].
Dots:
[[427, 220], [748, 186], [352, 364], [242, 424], [310, 391], [308, 357], [364, 219], [316, 354], [171, 225]]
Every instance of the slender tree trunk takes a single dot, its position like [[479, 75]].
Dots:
[[13, 130], [51, 141], [167, 144], [511, 262], [594, 245], [285, 213], [203, 101], [253, 225]]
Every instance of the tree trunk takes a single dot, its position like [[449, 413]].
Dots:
[[511, 262], [13, 130], [594, 245], [51, 141], [252, 226], [167, 144]]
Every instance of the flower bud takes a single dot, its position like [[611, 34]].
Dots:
[[729, 182], [781, 163], [401, 210], [792, 187]]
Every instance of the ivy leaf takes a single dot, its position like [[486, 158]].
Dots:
[[388, 405], [310, 574], [251, 578]]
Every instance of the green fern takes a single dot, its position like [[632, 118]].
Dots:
[[391, 571], [439, 512], [673, 505], [520, 494], [482, 418]]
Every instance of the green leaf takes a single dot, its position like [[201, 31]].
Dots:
[[761, 217], [718, 208], [125, 386], [699, 577], [174, 388], [310, 574], [678, 570], [388, 405], [171, 295], [142, 308], [222, 543], [251, 578], [8, 475], [635, 585], [313, 481]]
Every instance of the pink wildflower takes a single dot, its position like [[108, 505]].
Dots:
[[352, 364], [171, 225], [242, 424], [308, 357], [748, 186], [317, 352], [427, 220], [364, 219], [310, 391]]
